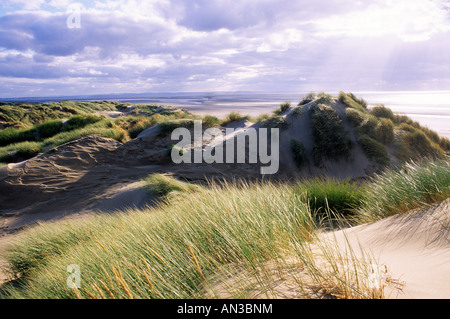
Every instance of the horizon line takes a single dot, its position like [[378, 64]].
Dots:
[[6, 99]]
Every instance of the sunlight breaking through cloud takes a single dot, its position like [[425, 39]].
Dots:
[[176, 45]]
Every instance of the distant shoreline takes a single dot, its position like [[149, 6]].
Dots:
[[430, 108]]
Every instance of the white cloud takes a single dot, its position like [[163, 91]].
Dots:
[[27, 4], [410, 20], [212, 44]]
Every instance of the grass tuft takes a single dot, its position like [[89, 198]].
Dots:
[[275, 121], [19, 151], [163, 185], [298, 150], [398, 191], [234, 117], [382, 111], [330, 137], [374, 149], [351, 101], [307, 99], [210, 121], [283, 108], [341, 197], [414, 145]]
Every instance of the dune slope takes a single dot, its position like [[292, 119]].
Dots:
[[414, 247]]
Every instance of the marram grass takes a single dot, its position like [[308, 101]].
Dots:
[[163, 253], [399, 191], [174, 251]]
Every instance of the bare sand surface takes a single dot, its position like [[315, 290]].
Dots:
[[415, 248], [401, 257]]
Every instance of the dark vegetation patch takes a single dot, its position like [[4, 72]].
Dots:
[[331, 140], [298, 150], [275, 121], [341, 197], [350, 100]]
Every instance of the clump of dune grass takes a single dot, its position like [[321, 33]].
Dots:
[[398, 191], [163, 185], [342, 273], [384, 131], [414, 145], [373, 133], [308, 98], [373, 149], [369, 125], [415, 141], [47, 129], [9, 135], [262, 117], [21, 151], [382, 112], [167, 127], [210, 121], [350, 100], [355, 117], [360, 100], [80, 121], [234, 117], [299, 152], [380, 127], [297, 111], [340, 197], [323, 98], [275, 121], [330, 137], [27, 149], [66, 137], [139, 126], [283, 108], [5, 155], [11, 114]]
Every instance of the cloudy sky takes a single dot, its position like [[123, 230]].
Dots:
[[63, 47]]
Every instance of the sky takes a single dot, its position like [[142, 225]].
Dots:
[[63, 47]]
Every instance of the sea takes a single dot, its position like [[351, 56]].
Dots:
[[429, 108]]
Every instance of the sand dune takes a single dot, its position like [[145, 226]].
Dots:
[[77, 175], [414, 247], [404, 256]]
